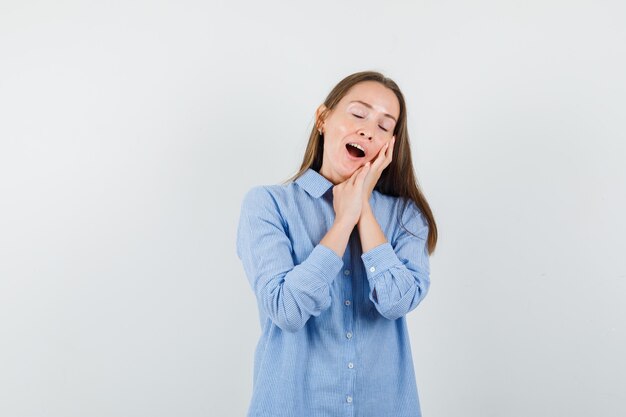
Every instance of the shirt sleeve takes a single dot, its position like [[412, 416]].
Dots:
[[399, 272], [289, 294]]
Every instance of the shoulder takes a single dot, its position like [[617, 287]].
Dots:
[[265, 197], [256, 195]]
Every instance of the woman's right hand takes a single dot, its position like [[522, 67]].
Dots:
[[348, 197]]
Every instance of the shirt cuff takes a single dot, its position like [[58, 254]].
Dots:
[[379, 259], [326, 262]]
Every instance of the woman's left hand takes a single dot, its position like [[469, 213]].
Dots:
[[376, 169]]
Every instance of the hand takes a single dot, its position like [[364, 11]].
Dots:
[[380, 163], [348, 197]]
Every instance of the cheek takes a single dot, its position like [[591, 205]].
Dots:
[[342, 130], [376, 152]]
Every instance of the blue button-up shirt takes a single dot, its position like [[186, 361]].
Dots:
[[334, 338]]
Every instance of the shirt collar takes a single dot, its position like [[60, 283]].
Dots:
[[314, 183]]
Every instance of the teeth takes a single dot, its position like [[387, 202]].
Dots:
[[356, 145]]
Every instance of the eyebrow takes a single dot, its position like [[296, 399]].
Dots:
[[370, 106]]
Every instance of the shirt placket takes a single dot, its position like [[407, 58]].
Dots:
[[350, 336]]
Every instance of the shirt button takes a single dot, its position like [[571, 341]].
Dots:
[[349, 335], [347, 302], [346, 272], [350, 365], [372, 269], [349, 399]]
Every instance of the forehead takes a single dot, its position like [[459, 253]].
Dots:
[[381, 98]]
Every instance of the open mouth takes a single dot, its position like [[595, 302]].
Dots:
[[355, 150]]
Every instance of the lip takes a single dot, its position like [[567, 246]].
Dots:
[[354, 158]]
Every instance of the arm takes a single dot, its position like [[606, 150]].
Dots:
[[398, 273], [289, 294], [369, 230]]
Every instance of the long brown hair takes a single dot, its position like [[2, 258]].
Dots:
[[398, 179]]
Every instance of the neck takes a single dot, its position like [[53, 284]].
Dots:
[[330, 176]]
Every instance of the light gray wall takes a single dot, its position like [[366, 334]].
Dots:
[[129, 132]]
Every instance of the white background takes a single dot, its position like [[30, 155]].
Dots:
[[130, 130]]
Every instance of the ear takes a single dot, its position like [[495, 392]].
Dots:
[[319, 122]]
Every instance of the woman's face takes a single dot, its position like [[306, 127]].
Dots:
[[366, 116]]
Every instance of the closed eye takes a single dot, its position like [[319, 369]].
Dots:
[[361, 117]]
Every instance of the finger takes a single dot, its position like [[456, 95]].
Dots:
[[382, 154], [389, 153], [350, 179], [392, 145], [360, 179], [385, 152], [353, 176]]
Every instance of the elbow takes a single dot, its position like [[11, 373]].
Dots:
[[392, 314], [290, 309], [408, 302], [288, 318], [292, 316], [289, 326], [421, 289], [291, 313]]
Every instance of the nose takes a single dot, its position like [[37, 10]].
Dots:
[[365, 134]]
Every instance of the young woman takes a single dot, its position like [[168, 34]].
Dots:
[[337, 256]]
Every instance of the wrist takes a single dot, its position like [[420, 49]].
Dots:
[[366, 207], [343, 224]]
